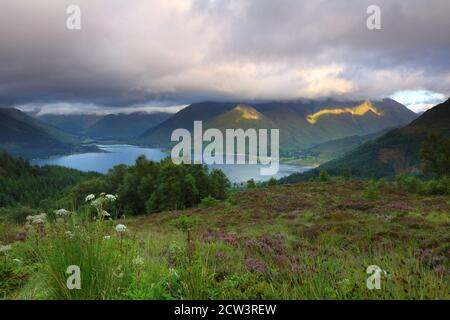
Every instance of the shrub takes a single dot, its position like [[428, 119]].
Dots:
[[347, 174], [371, 192], [251, 184], [209, 202], [408, 183], [20, 214], [324, 176], [272, 182]]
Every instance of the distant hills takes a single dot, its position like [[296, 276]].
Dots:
[[394, 152], [23, 135], [122, 126], [302, 124]]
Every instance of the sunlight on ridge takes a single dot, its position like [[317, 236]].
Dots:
[[360, 110]]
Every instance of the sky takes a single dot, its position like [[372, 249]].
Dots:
[[148, 54]]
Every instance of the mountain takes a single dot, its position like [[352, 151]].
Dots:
[[22, 135], [125, 126], [302, 124], [159, 136], [398, 151], [72, 123], [333, 149], [241, 116], [120, 126]]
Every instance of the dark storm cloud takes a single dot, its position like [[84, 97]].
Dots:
[[134, 52]]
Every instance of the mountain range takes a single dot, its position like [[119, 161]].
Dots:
[[324, 129], [121, 126], [397, 151], [302, 125]]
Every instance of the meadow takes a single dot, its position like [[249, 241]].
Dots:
[[311, 240]]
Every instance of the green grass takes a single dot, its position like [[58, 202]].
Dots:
[[307, 241]]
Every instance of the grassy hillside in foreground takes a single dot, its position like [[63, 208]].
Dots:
[[305, 241]]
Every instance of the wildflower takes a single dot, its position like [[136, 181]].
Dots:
[[90, 198], [121, 228], [69, 234], [62, 213], [173, 272], [37, 219], [107, 237], [254, 265], [111, 197], [139, 262], [105, 214], [118, 272], [5, 249]]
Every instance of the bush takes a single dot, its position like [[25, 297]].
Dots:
[[435, 187], [251, 184], [408, 183], [19, 214], [371, 192], [272, 182], [347, 174], [324, 176], [209, 202]]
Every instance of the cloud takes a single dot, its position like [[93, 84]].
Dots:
[[81, 108], [146, 51]]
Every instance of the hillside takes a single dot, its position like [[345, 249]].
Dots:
[[125, 126], [305, 241], [302, 124], [72, 123], [25, 185], [159, 136], [395, 152], [121, 126], [332, 149], [22, 135]]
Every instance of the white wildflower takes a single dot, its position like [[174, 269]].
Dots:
[[111, 197], [90, 198], [62, 213], [105, 214], [69, 234], [121, 228], [37, 219], [139, 262], [107, 237], [5, 249]]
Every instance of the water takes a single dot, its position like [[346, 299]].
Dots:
[[127, 154]]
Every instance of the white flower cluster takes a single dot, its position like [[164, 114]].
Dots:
[[105, 214], [37, 219], [111, 197], [138, 261], [121, 228], [62, 213], [5, 249], [90, 197]]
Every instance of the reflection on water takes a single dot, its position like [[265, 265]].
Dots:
[[127, 154]]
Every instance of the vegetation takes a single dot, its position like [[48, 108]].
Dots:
[[435, 155], [40, 187], [278, 242]]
